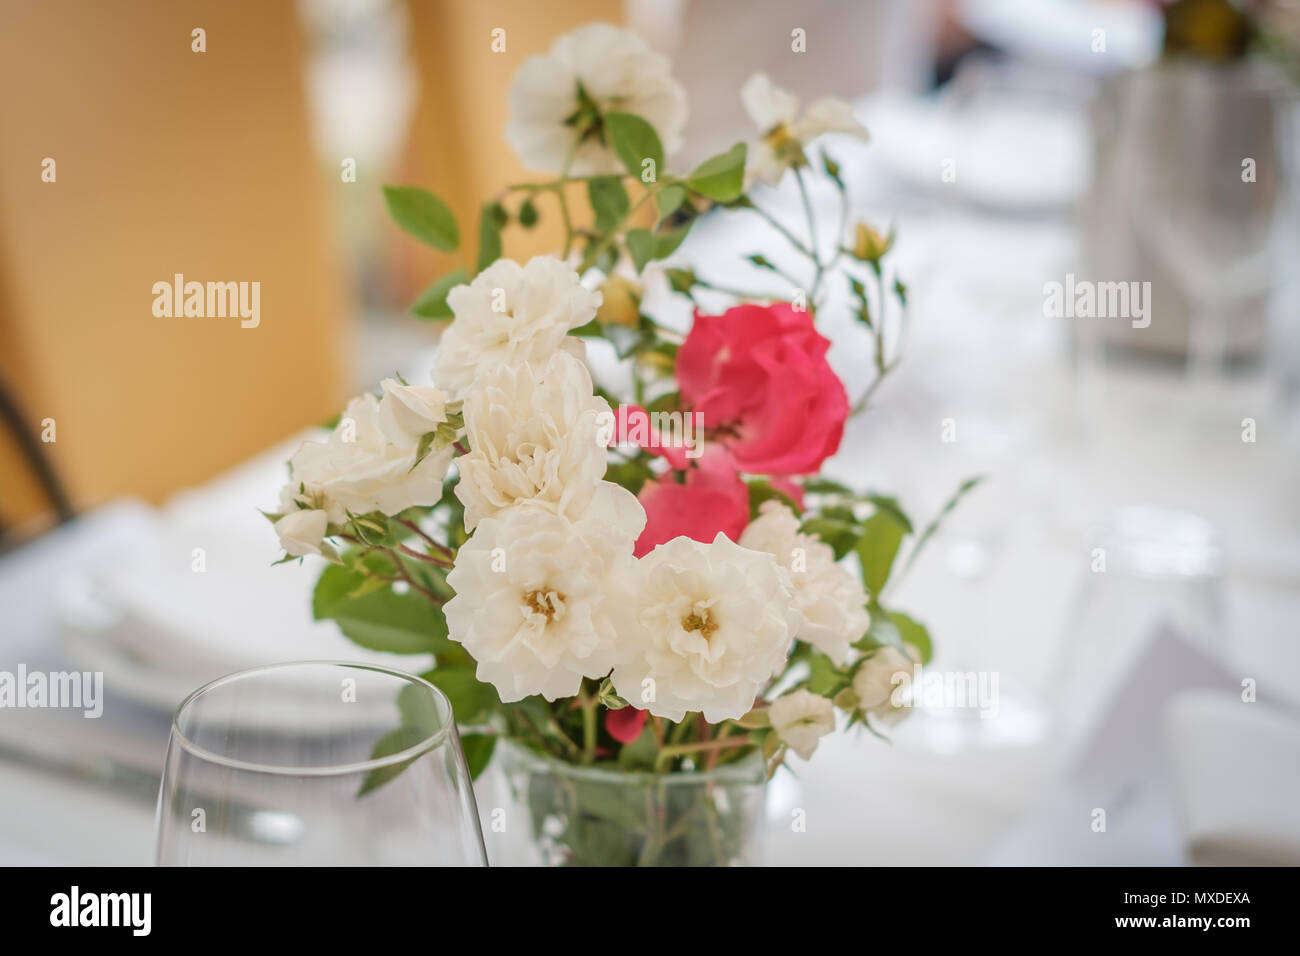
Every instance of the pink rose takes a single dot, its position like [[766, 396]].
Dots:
[[633, 426], [758, 375], [713, 498]]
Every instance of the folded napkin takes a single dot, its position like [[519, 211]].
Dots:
[[1236, 779]]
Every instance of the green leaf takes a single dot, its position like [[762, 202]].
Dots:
[[432, 302], [478, 752], [824, 486], [623, 807], [755, 719], [669, 199], [761, 490], [381, 620], [423, 215], [891, 507], [833, 171], [634, 141], [721, 178], [900, 290], [527, 214], [418, 709], [914, 633], [641, 753], [640, 246], [877, 548], [395, 741], [840, 535], [666, 242], [632, 475], [471, 700], [824, 677], [608, 201], [682, 280], [489, 236]]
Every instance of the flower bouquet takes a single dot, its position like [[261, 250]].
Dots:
[[633, 592]]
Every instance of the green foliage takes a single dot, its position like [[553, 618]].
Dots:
[[478, 752], [669, 199], [423, 215], [722, 177], [640, 754], [527, 214], [432, 302], [491, 219], [380, 619], [841, 535], [882, 535], [471, 699], [608, 201], [395, 741], [911, 631], [634, 141], [640, 246], [761, 490]]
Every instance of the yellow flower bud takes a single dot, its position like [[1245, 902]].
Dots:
[[620, 302], [869, 245]]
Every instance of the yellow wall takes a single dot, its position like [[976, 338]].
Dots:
[[173, 161], [167, 161]]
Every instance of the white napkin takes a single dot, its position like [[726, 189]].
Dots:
[[159, 628], [1236, 775]]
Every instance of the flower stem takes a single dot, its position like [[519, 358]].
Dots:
[[449, 554], [721, 743], [789, 236], [588, 725], [813, 254], [593, 253]]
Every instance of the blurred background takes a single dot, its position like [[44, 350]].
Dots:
[[1015, 145]]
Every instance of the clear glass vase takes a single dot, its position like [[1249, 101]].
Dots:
[[540, 811]]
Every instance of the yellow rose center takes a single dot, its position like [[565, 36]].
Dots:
[[701, 621], [545, 603]]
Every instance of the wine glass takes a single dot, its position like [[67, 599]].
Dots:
[[317, 763], [1211, 161]]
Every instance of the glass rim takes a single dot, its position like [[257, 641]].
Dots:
[[748, 769], [407, 754]]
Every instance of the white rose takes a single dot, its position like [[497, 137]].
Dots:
[[878, 675], [784, 131], [801, 718], [301, 531], [409, 412], [706, 627], [616, 72], [359, 470], [534, 434], [511, 314], [534, 592], [828, 595]]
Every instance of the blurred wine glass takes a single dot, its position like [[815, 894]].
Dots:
[[317, 764], [1210, 149]]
